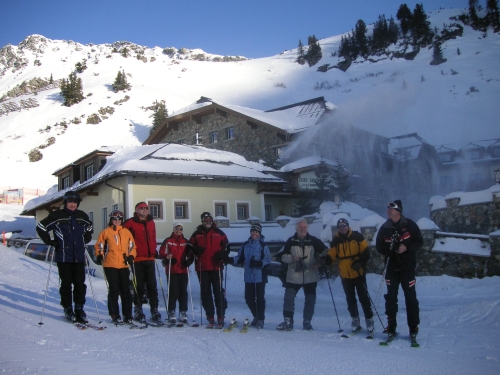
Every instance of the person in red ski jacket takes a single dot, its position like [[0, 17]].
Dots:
[[143, 228], [210, 246], [176, 260]]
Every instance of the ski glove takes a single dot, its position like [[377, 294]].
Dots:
[[356, 265], [255, 263], [197, 250], [220, 255], [99, 259], [328, 260], [55, 244], [129, 260]]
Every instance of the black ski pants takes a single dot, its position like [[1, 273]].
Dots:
[[255, 299], [405, 277], [72, 283], [118, 282], [145, 274], [177, 291], [353, 286], [211, 290]]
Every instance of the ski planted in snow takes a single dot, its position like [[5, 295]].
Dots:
[[231, 325], [246, 325]]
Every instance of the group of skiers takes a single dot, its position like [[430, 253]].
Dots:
[[128, 248]]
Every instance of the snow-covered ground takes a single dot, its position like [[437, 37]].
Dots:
[[460, 323]]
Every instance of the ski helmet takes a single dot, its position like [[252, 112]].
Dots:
[[72, 196]]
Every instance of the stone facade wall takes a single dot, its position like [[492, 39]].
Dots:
[[253, 142], [481, 218], [433, 263]]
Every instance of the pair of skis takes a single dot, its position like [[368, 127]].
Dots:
[[233, 324], [413, 341]]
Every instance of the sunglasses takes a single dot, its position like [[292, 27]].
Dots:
[[392, 205], [341, 226], [116, 217], [178, 228], [143, 208]]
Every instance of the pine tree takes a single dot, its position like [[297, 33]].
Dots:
[[303, 204], [72, 90], [300, 53], [341, 184], [51, 80], [323, 182], [474, 18], [360, 38], [437, 54], [80, 66], [120, 82], [160, 114], [314, 53], [405, 18], [493, 14], [421, 30]]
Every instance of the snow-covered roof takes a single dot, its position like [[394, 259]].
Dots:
[[171, 160], [292, 119], [305, 162]]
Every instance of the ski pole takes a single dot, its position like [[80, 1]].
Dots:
[[255, 292], [371, 301], [168, 285], [337, 315], [220, 293], [161, 286], [382, 281], [47, 286], [191, 296], [92, 287]]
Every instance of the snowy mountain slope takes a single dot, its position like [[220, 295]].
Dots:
[[389, 97]]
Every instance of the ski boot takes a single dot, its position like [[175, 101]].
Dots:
[[287, 325], [81, 316]]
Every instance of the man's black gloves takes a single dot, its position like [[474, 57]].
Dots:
[[220, 255], [197, 250], [129, 260], [255, 263], [55, 244], [328, 260], [356, 265]]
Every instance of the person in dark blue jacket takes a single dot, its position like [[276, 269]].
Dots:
[[254, 255], [72, 230]]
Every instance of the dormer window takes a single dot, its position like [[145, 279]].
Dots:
[[89, 172]]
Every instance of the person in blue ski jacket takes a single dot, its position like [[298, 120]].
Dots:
[[72, 230], [255, 256]]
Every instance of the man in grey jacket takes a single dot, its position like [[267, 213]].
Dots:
[[300, 253]]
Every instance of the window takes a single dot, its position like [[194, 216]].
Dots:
[[474, 155], [91, 216], [269, 212], [181, 210], [104, 219], [242, 211], [89, 171], [444, 158], [279, 151], [230, 133], [220, 209], [213, 137], [114, 207], [495, 152], [156, 209], [65, 182]]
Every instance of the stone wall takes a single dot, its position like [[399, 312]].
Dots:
[[252, 141], [433, 263]]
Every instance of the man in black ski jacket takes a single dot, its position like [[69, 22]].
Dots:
[[399, 239], [72, 230]]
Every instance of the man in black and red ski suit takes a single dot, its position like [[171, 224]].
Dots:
[[210, 246], [143, 228], [399, 239]]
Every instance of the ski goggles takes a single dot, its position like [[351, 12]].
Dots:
[[393, 205], [116, 217]]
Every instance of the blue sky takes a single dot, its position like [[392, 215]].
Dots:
[[252, 28]]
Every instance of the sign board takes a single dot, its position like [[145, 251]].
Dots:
[[307, 181]]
